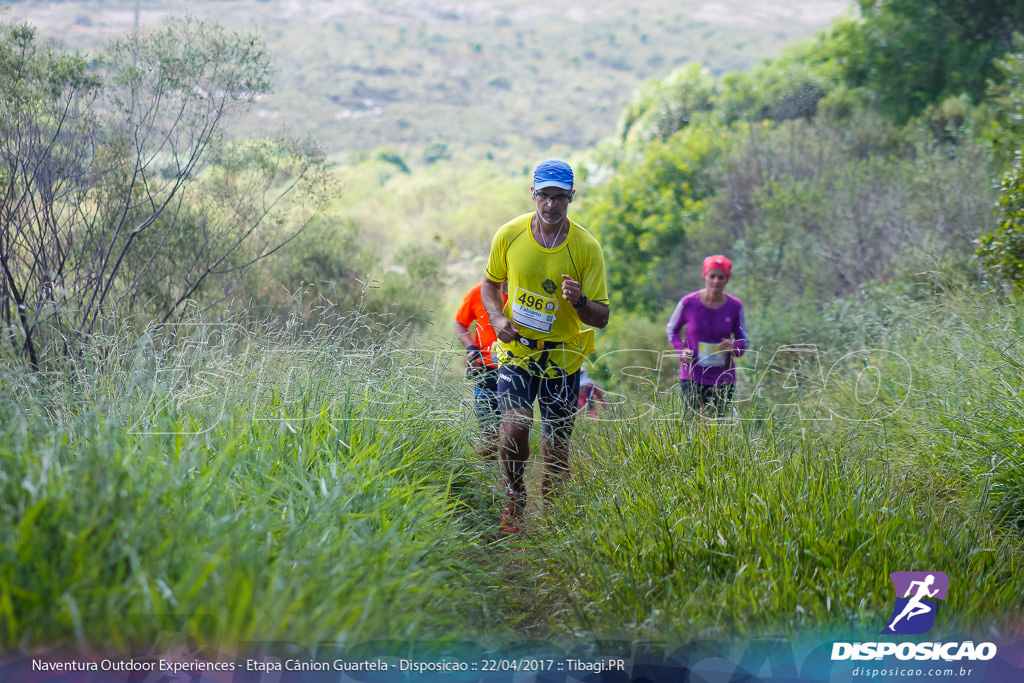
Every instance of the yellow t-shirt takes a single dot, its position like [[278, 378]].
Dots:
[[535, 304]]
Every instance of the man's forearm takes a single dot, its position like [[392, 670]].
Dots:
[[491, 296], [593, 313], [463, 335]]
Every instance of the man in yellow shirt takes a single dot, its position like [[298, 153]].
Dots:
[[556, 284]]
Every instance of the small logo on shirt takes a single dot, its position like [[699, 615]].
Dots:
[[549, 286]]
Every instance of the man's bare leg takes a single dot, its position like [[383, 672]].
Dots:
[[513, 453]]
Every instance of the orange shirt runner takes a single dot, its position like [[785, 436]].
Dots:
[[472, 310]]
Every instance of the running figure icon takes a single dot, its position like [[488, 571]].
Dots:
[[916, 593], [915, 605]]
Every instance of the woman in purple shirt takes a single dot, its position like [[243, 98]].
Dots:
[[716, 333]]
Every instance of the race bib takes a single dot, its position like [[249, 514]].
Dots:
[[534, 311], [709, 355]]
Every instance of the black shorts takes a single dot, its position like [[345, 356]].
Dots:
[[706, 398], [555, 390]]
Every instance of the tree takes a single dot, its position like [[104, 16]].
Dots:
[[788, 87], [1006, 99], [663, 107], [1002, 250], [910, 54], [642, 214], [117, 191]]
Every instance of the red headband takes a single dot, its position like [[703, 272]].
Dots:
[[717, 261]]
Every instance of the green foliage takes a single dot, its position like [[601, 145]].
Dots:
[[106, 206], [643, 214], [413, 287], [847, 223], [776, 90], [47, 132], [633, 356], [686, 531], [328, 261], [305, 492], [678, 529], [434, 152], [809, 210], [392, 156], [189, 60], [788, 87], [910, 54], [1002, 250], [316, 471], [970, 431], [665, 106], [1006, 100], [228, 204], [316, 485], [32, 73]]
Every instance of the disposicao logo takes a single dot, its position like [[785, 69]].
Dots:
[[914, 613], [916, 593]]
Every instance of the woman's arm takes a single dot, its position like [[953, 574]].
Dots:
[[674, 326], [739, 333]]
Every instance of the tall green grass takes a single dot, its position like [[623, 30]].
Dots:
[[681, 530], [290, 486], [677, 529], [966, 420], [317, 484]]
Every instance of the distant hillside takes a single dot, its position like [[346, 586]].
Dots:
[[361, 74]]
